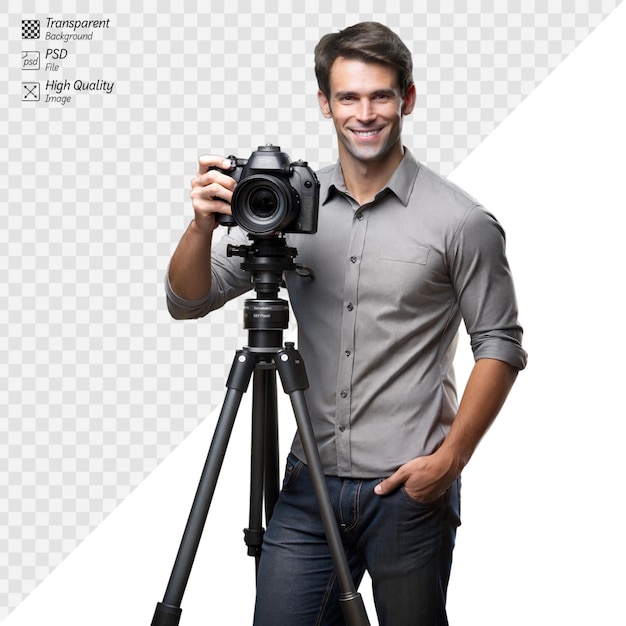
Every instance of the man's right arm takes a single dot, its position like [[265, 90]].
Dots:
[[189, 273]]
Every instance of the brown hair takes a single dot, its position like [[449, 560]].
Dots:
[[369, 42]]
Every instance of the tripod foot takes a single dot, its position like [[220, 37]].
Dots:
[[353, 609], [166, 615]]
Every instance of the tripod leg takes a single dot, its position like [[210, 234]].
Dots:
[[167, 613], [253, 535], [264, 456], [290, 366], [271, 471]]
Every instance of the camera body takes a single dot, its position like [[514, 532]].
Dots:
[[272, 194]]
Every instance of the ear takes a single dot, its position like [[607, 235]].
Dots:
[[324, 104], [408, 103]]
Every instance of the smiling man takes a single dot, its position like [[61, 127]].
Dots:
[[367, 104], [400, 258]]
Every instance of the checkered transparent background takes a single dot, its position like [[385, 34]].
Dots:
[[97, 383]]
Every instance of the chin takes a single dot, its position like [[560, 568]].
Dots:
[[375, 154]]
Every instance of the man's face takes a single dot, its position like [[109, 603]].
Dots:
[[367, 108]]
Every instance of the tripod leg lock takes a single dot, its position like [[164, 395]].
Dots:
[[290, 366], [241, 371], [254, 539]]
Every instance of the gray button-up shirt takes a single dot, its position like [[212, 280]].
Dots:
[[377, 324]]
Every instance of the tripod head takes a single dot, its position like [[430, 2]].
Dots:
[[267, 315]]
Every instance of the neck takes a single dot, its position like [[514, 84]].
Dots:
[[364, 179]]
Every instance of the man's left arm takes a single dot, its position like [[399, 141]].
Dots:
[[426, 478], [480, 272]]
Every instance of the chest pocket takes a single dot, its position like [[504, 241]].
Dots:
[[404, 273], [415, 254]]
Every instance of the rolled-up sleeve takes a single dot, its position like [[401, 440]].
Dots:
[[485, 290], [228, 281]]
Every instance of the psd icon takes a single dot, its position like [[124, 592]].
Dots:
[[31, 29], [31, 60]]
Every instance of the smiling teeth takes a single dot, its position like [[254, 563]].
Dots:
[[366, 133]]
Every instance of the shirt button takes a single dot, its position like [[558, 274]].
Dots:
[[350, 306], [344, 393], [348, 353], [353, 259], [342, 428]]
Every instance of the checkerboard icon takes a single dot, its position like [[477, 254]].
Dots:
[[30, 29]]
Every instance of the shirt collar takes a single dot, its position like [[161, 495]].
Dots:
[[400, 184]]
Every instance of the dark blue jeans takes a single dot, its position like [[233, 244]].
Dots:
[[405, 546]]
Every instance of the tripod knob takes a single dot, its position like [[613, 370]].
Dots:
[[290, 366]]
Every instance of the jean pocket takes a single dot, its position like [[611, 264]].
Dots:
[[425, 505], [292, 469]]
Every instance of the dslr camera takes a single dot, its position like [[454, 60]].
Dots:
[[272, 194]]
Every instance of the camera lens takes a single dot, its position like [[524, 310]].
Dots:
[[264, 204]]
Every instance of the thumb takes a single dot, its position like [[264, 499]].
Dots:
[[389, 484]]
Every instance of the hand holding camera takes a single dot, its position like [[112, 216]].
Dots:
[[211, 192]]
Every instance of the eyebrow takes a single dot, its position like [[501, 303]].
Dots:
[[377, 92]]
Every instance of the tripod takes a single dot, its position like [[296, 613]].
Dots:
[[265, 318]]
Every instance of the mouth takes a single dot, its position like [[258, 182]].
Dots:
[[366, 134]]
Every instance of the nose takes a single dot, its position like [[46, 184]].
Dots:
[[365, 112]]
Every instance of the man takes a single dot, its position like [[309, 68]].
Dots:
[[400, 257]]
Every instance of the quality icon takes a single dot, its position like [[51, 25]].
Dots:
[[30, 92]]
